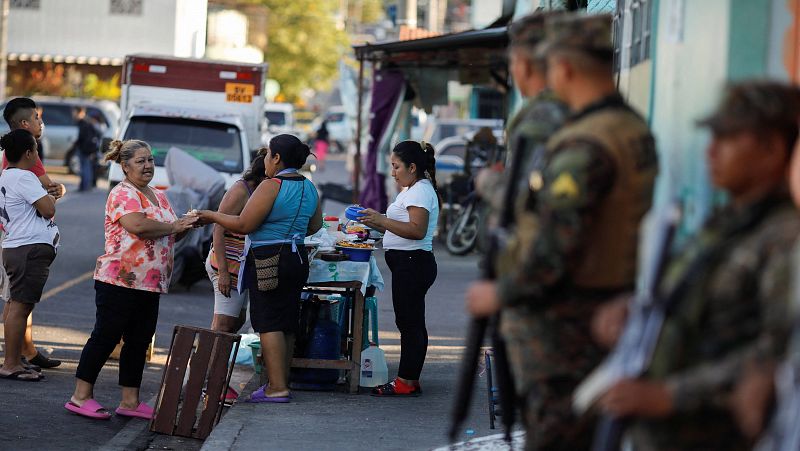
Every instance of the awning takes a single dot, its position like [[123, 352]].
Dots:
[[67, 59], [474, 48]]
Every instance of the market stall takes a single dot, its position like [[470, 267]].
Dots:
[[349, 281]]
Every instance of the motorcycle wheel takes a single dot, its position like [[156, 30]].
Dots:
[[461, 238]]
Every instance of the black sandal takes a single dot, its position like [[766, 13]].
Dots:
[[29, 366]]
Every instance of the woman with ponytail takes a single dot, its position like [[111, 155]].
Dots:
[[409, 225], [282, 210], [140, 233]]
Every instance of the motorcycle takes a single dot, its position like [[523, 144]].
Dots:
[[469, 228]]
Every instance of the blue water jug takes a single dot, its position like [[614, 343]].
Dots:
[[323, 344]]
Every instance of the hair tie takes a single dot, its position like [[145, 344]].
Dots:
[[424, 146]]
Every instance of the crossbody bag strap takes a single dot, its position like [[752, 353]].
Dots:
[[299, 207]]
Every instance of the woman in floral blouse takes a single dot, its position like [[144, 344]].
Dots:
[[140, 232]]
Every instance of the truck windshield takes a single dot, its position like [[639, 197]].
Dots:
[[275, 118], [214, 143]]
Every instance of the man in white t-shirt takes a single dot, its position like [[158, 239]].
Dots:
[[26, 212]]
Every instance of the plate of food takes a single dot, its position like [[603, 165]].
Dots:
[[362, 232], [358, 252]]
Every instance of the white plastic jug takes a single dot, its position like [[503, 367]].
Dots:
[[374, 371]]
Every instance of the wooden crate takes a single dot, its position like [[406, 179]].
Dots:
[[183, 409]]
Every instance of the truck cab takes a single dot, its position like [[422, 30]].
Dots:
[[217, 139], [213, 110]]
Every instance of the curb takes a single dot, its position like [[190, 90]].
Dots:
[[125, 438], [227, 431]]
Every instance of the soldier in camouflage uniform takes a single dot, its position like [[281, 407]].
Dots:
[[539, 117], [575, 246], [725, 294]]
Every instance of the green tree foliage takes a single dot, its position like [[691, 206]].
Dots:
[[304, 44], [95, 87], [365, 11]]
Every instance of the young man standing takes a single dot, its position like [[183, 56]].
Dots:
[[22, 113]]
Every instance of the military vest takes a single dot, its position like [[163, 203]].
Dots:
[[608, 260]]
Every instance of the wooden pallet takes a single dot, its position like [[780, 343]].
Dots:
[[183, 409]]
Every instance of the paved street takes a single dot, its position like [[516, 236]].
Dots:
[[33, 416]]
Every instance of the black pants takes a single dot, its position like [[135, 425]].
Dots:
[[413, 273], [121, 313]]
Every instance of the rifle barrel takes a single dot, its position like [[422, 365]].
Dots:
[[477, 330]]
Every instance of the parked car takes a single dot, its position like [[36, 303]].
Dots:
[[340, 128], [439, 129], [281, 119], [60, 132], [450, 153], [304, 122]]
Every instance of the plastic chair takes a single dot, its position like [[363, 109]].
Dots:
[[370, 319]]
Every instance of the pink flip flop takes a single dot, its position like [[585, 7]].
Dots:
[[90, 409], [142, 411]]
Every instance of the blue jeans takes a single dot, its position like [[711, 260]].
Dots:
[[87, 172]]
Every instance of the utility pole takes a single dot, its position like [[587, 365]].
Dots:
[[434, 18], [407, 13], [4, 47]]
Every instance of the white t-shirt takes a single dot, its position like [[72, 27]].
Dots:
[[420, 194], [19, 189]]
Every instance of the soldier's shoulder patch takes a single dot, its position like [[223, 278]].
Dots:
[[565, 186]]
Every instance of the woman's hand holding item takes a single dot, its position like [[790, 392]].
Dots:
[[372, 218], [203, 217], [183, 224]]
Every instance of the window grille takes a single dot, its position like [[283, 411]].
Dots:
[[127, 7], [24, 4]]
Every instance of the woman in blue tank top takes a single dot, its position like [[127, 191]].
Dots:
[[277, 217]]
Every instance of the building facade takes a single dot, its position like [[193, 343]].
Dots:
[[65, 41]]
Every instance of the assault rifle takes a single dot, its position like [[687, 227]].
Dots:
[[479, 326], [631, 356]]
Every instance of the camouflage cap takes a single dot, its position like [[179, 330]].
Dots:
[[756, 105], [529, 31], [589, 34]]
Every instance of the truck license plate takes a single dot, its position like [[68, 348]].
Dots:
[[239, 92]]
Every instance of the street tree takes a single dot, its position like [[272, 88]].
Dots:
[[304, 44]]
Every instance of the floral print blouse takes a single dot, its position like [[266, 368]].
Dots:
[[130, 261]]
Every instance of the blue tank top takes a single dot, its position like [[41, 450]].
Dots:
[[276, 225]]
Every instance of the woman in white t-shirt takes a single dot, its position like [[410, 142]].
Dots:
[[409, 224], [26, 211]]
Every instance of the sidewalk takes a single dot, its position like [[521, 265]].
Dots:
[[342, 421]]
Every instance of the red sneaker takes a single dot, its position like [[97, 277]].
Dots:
[[397, 388], [230, 396]]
